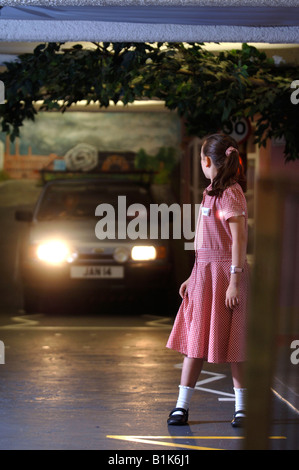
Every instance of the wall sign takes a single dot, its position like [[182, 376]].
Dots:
[[239, 130]]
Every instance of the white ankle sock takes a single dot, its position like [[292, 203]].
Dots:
[[184, 398], [240, 399]]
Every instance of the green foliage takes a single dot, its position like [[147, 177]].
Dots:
[[206, 89], [162, 163]]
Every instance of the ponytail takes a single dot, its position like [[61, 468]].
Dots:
[[223, 150]]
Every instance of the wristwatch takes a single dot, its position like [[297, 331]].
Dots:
[[234, 270]]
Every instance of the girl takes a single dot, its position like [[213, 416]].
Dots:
[[211, 322]]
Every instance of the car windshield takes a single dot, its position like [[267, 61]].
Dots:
[[76, 201]]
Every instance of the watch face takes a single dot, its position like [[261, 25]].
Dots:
[[234, 270]]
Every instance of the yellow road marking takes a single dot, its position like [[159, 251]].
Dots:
[[152, 440], [159, 443]]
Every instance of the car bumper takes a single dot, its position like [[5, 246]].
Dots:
[[135, 277]]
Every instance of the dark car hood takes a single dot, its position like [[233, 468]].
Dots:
[[82, 231], [70, 230]]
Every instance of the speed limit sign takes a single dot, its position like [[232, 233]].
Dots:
[[238, 130]]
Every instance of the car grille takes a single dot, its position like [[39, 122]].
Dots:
[[95, 257]]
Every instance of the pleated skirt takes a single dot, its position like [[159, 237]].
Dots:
[[204, 327]]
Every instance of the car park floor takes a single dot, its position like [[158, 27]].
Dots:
[[107, 382]]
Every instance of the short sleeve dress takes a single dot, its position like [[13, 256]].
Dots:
[[204, 327]]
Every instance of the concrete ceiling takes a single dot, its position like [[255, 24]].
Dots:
[[270, 25], [265, 21]]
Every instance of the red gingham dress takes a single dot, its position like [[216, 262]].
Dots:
[[204, 327]]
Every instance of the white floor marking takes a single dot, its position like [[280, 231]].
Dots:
[[214, 376], [31, 323]]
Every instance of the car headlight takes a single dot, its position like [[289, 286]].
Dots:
[[143, 253], [54, 252]]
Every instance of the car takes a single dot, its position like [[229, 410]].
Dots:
[[91, 236]]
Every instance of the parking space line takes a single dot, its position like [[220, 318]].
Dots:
[[26, 323], [80, 328], [285, 401], [144, 440], [153, 440]]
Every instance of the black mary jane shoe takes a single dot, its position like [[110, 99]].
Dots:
[[178, 419], [238, 420]]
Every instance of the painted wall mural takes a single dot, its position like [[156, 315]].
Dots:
[[53, 135]]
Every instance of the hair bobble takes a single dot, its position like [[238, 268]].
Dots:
[[229, 150]]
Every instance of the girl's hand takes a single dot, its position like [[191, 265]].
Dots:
[[232, 296], [184, 287]]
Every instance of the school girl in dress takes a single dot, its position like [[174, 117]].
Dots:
[[211, 322]]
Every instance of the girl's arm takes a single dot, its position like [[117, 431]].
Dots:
[[239, 240], [184, 287]]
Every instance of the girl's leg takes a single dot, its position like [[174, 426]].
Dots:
[[190, 372], [238, 374], [240, 393], [192, 367]]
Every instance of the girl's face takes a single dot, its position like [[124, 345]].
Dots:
[[207, 165]]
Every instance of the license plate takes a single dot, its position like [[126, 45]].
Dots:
[[97, 272]]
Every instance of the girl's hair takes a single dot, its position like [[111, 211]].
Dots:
[[223, 150]]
